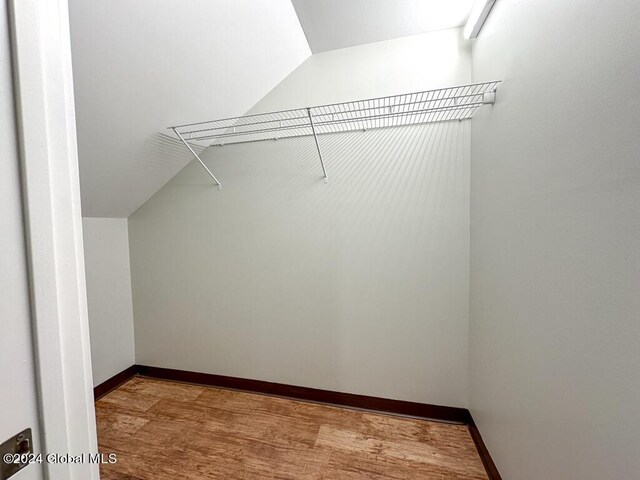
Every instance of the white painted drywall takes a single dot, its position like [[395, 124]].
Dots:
[[408, 64], [106, 250], [141, 66], [359, 285], [555, 236], [332, 24]]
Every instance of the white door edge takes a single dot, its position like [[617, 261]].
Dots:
[[49, 160]]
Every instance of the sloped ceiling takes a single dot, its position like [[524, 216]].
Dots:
[[140, 66], [333, 24]]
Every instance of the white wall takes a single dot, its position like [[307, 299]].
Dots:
[[333, 24], [359, 285], [555, 263], [106, 250], [407, 64]]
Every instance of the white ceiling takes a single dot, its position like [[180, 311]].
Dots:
[[140, 66], [333, 24]]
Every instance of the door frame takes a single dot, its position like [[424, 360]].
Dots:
[[45, 111]]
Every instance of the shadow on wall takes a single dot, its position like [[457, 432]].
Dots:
[[282, 277], [162, 151], [383, 184], [415, 170]]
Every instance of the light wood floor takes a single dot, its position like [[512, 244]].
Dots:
[[164, 430]]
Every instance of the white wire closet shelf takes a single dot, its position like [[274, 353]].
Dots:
[[441, 105]]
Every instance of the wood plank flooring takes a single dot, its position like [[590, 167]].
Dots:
[[164, 430]]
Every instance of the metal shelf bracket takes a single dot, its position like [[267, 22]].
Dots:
[[197, 157], [315, 137]]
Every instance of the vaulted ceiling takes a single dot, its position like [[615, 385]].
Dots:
[[333, 24], [141, 66]]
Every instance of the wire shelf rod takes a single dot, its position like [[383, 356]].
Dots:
[[437, 105], [317, 115], [303, 135], [492, 85], [339, 121]]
